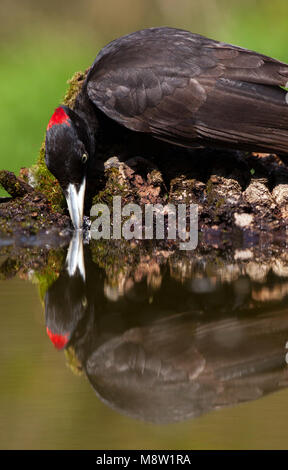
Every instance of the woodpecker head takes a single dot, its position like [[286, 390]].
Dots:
[[69, 145]]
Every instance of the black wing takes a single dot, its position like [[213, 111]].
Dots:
[[185, 88]]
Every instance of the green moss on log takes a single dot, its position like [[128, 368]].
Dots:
[[75, 84]]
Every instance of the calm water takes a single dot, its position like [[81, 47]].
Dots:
[[115, 349]]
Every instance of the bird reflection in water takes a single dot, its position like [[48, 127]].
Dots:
[[172, 349]]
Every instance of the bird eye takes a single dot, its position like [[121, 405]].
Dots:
[[84, 158]]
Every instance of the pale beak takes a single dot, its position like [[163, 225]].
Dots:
[[75, 202], [75, 256]]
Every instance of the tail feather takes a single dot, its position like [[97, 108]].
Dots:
[[246, 115]]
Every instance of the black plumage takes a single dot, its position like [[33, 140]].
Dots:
[[185, 88], [181, 88]]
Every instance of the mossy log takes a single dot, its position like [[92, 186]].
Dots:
[[13, 185]]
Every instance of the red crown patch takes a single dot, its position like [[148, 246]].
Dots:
[[59, 341], [58, 117]]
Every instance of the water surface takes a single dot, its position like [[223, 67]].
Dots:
[[115, 349]]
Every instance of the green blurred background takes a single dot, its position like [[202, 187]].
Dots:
[[43, 43]]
